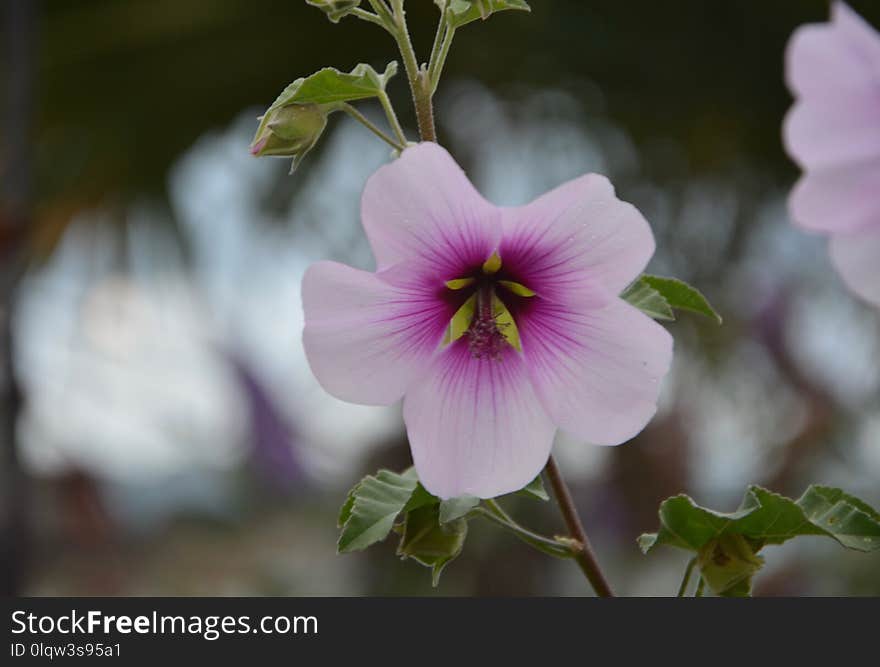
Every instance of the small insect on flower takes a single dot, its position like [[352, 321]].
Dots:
[[833, 132], [495, 325]]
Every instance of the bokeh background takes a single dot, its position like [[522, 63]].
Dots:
[[161, 432]]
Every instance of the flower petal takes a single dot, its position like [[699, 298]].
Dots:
[[596, 370], [368, 335], [422, 207], [579, 231], [476, 426], [837, 200], [857, 258], [836, 57], [827, 131]]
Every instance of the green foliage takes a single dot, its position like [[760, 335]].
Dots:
[[429, 540], [648, 300], [335, 9], [432, 531], [727, 544], [330, 86], [461, 12], [657, 297], [368, 514], [295, 121]]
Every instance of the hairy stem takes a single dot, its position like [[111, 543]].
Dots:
[[382, 11], [438, 61], [686, 579], [438, 42], [584, 555], [369, 16], [418, 80], [493, 512], [358, 116], [392, 117]]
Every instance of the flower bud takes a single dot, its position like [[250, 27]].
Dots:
[[728, 564], [289, 131]]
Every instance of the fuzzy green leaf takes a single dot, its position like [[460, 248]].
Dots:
[[648, 300], [368, 514], [681, 296], [430, 543], [728, 543], [330, 86], [461, 12]]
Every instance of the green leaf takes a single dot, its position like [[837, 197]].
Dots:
[[295, 121], [429, 543], [330, 86], [368, 514], [648, 300], [456, 508], [420, 497], [763, 517], [681, 296], [461, 12], [849, 520], [534, 489], [335, 9]]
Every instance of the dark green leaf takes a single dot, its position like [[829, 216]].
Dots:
[[420, 498], [722, 540], [330, 86], [681, 296], [429, 543], [368, 514], [461, 12], [648, 300]]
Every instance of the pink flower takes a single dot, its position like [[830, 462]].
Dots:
[[833, 132], [496, 325]]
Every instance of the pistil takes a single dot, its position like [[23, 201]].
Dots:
[[485, 337]]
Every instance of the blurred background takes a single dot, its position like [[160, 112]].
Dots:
[[161, 433]]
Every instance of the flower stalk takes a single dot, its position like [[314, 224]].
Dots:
[[686, 579], [358, 116], [419, 82], [493, 512], [584, 555]]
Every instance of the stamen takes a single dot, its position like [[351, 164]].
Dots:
[[483, 317]]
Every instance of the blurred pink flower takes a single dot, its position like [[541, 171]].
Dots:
[[833, 132], [496, 325]]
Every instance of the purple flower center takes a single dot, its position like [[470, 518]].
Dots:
[[483, 316], [485, 336]]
